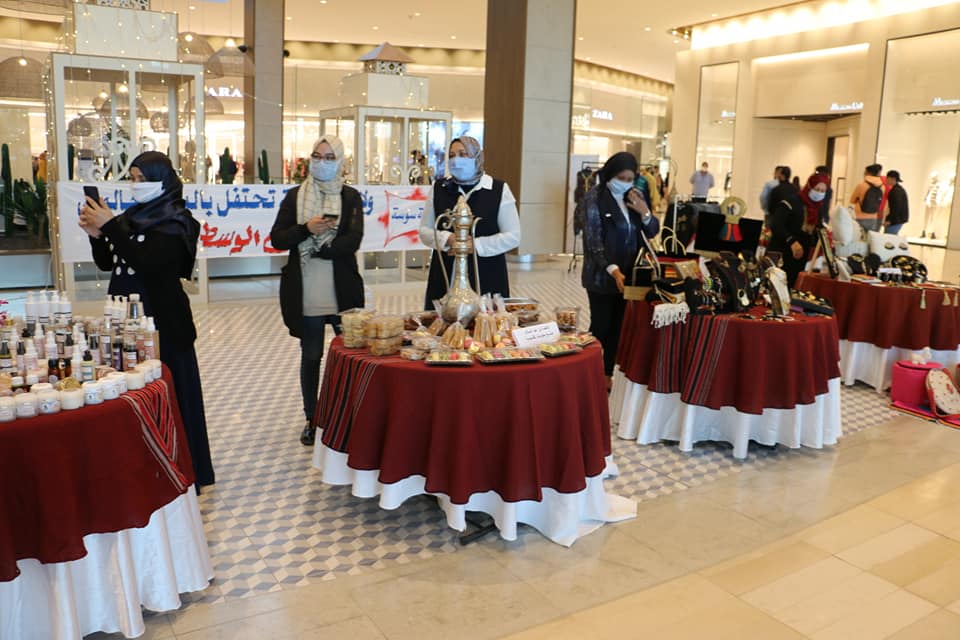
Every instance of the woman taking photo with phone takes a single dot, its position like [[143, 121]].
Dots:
[[148, 249], [321, 223], [616, 214]]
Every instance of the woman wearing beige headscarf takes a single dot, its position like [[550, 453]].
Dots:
[[321, 223], [497, 232]]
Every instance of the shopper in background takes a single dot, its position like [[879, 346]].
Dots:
[[321, 223], [898, 206], [768, 187], [813, 195], [824, 170], [787, 216], [148, 248], [615, 217], [867, 199], [497, 232], [702, 182]]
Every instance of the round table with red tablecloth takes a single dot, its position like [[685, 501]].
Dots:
[[522, 442], [99, 518], [728, 378], [881, 324]]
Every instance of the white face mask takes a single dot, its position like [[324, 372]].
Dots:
[[619, 187], [146, 191], [818, 196]]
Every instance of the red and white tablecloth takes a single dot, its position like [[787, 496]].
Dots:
[[523, 442], [728, 378], [881, 324], [100, 518]]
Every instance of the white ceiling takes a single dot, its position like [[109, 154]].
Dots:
[[614, 32]]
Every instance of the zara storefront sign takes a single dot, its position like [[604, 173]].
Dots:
[[224, 92], [600, 114], [945, 102], [851, 106]]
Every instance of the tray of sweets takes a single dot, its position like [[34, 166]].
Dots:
[[508, 356], [558, 349], [449, 358], [579, 339], [521, 304]]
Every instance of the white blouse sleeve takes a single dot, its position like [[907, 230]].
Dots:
[[427, 222], [509, 222]]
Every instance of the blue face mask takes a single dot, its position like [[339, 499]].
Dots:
[[619, 187], [463, 169], [323, 170]]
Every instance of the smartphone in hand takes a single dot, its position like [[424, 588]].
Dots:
[[91, 191]]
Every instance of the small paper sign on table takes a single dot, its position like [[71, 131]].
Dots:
[[535, 335]]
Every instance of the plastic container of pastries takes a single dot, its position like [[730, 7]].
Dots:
[[383, 326], [353, 321], [412, 353], [384, 346], [568, 318], [559, 349], [521, 304], [484, 329], [453, 358]]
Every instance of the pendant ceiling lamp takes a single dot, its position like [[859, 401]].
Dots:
[[123, 108], [21, 78], [211, 107], [79, 127], [233, 62], [193, 48], [159, 122]]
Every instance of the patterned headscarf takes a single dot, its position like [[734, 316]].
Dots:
[[474, 151], [320, 198]]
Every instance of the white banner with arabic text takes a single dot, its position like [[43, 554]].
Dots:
[[237, 218]]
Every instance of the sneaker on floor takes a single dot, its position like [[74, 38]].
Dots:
[[308, 435]]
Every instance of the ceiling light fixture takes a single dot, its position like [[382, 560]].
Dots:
[[376, 28], [648, 28], [22, 61], [453, 37], [230, 42], [580, 38], [800, 18]]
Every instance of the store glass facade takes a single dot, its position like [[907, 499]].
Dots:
[[716, 122], [920, 128]]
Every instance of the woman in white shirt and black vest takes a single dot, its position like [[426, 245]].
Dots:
[[497, 232]]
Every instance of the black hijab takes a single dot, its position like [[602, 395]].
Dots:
[[167, 213], [616, 163]]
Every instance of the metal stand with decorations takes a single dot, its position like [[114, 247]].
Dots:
[[104, 110]]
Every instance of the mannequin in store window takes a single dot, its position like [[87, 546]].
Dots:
[[497, 232], [148, 249], [615, 215]]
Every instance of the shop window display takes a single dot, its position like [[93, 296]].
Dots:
[[716, 122], [920, 128]]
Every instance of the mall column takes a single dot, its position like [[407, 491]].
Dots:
[[263, 22], [526, 110]]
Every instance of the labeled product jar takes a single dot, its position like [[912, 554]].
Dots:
[[48, 402], [70, 400], [92, 393], [109, 388], [135, 380], [26, 405], [41, 387], [8, 409], [121, 380]]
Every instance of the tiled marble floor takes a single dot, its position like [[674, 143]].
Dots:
[[296, 559]]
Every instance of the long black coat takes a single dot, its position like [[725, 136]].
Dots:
[[287, 234]]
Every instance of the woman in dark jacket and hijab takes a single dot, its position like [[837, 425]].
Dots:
[[788, 234], [148, 249], [321, 223], [616, 214]]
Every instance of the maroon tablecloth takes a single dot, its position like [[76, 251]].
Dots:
[[728, 361], [888, 316], [98, 469], [513, 429]]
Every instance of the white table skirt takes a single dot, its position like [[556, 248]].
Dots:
[[649, 417], [104, 590], [874, 365], [561, 517]]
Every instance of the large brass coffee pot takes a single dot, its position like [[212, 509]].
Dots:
[[462, 301]]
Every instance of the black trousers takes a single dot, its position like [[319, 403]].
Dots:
[[186, 382], [606, 320]]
